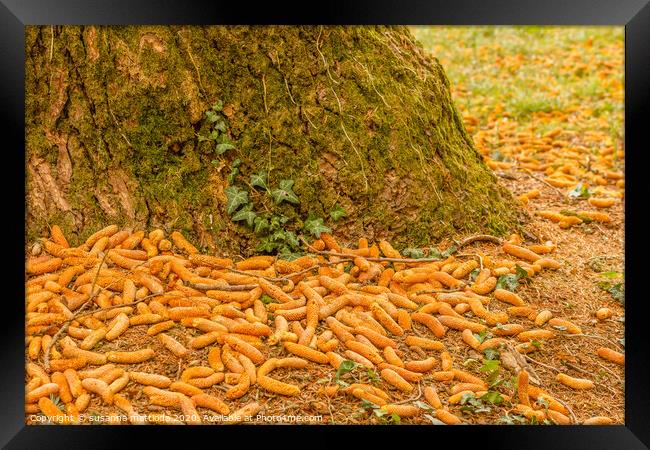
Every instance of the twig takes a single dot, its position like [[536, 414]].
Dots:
[[574, 418], [266, 108], [530, 174], [198, 74], [290, 96], [594, 337], [542, 364], [221, 287], [437, 291], [412, 399], [52, 43], [480, 237]]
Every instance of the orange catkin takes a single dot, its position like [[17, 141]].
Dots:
[[44, 267], [424, 343], [246, 349], [58, 237], [522, 387], [446, 417], [130, 357], [508, 297], [182, 243], [611, 355], [211, 402], [402, 410], [461, 324], [431, 397], [306, 352], [575, 383], [430, 322], [365, 395], [394, 379], [520, 252]]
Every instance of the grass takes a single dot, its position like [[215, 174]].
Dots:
[[528, 69]]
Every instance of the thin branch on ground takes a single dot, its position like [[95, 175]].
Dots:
[[66, 324]]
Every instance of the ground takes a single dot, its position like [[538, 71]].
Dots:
[[545, 108]]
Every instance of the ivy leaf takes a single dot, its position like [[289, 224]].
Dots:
[[615, 290], [422, 405], [247, 214], [580, 191], [521, 273], [218, 106], [212, 116], [490, 365], [261, 225], [316, 226], [510, 281], [482, 335], [492, 397], [415, 253], [473, 274], [507, 282], [291, 239], [277, 223], [365, 404], [337, 212], [491, 353], [266, 245], [236, 198], [346, 366], [618, 292], [214, 135], [510, 420], [611, 274], [224, 147], [260, 180], [450, 251], [373, 376], [266, 299], [468, 397], [284, 193], [433, 420], [232, 175], [220, 125], [290, 256]]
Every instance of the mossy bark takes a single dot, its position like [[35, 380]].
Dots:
[[359, 116]]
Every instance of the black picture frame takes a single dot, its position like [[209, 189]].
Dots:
[[633, 14]]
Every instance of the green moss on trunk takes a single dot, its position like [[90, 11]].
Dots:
[[355, 115]]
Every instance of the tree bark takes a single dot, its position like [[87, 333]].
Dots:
[[356, 116]]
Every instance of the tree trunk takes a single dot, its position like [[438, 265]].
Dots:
[[356, 116]]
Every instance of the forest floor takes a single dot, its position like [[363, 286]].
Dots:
[[545, 108], [539, 99]]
